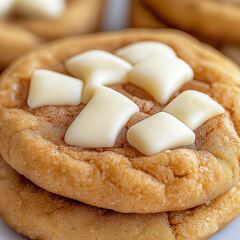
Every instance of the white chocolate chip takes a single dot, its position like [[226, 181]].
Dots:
[[159, 132], [161, 76], [5, 7], [193, 108], [52, 88], [40, 8], [139, 51], [97, 68], [100, 122]]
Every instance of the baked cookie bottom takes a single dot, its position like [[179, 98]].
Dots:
[[38, 214]]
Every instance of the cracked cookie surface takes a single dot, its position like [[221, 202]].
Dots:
[[41, 215], [120, 178]]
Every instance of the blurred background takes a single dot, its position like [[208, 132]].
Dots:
[[117, 15]]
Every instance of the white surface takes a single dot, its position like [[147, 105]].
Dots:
[[117, 18], [7, 234]]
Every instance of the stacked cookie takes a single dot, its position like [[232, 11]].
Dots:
[[25, 24], [125, 135], [214, 21]]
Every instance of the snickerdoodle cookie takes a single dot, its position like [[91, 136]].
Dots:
[[104, 149], [24, 24], [214, 21], [41, 215], [143, 17]]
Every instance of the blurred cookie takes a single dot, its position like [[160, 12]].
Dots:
[[14, 42], [95, 153], [141, 16], [41, 215], [24, 24], [214, 21]]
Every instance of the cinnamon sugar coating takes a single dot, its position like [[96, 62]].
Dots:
[[120, 178]]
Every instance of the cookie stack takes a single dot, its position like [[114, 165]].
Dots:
[[213, 21], [124, 135]]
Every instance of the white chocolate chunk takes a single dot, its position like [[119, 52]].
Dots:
[[159, 132], [46, 9], [193, 108], [100, 122], [5, 7], [139, 51], [97, 68], [161, 76], [52, 88]]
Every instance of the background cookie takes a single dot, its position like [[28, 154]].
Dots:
[[14, 42], [75, 20], [214, 19], [19, 34], [121, 178], [141, 16], [216, 22], [41, 215]]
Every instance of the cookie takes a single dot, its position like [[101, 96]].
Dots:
[[21, 33], [14, 42], [214, 21], [209, 18], [141, 16], [38, 214], [33, 140]]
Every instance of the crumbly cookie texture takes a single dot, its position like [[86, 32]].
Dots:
[[213, 20], [120, 178], [41, 215]]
